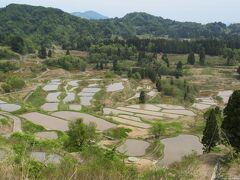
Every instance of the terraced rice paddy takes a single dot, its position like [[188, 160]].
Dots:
[[132, 115], [46, 135], [53, 97], [86, 95], [73, 83], [50, 107], [133, 147], [177, 147], [53, 85], [204, 103], [75, 107], [115, 87], [9, 107], [131, 122], [225, 95], [69, 98], [101, 124], [45, 158], [48, 122]]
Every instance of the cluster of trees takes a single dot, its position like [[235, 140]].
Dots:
[[232, 56], [67, 62], [223, 126], [13, 83]]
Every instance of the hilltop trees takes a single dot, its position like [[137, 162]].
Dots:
[[231, 122], [212, 131], [191, 58]]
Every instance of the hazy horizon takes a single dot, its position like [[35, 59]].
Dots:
[[204, 11]]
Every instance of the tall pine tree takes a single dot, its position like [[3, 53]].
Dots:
[[231, 122]]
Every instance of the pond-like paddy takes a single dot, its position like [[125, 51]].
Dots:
[[53, 97], [177, 147], [86, 95], [48, 122], [133, 147], [69, 98], [45, 158], [50, 107], [46, 135], [101, 124], [9, 107], [115, 87]]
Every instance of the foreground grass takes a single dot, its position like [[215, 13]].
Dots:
[[37, 98]]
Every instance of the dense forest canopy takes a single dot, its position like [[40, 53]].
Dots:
[[40, 25]]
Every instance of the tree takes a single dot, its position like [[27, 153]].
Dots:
[[159, 85], [68, 52], [231, 122], [212, 131], [80, 134], [142, 98], [49, 53], [42, 53], [157, 129], [202, 56], [191, 58], [15, 82]]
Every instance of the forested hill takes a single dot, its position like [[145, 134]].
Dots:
[[40, 24]]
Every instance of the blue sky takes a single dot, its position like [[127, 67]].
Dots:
[[203, 11]]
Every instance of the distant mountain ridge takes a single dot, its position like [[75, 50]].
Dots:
[[41, 24], [90, 15]]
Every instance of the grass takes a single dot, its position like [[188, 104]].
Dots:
[[37, 98], [29, 127]]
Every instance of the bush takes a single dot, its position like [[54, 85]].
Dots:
[[118, 133]]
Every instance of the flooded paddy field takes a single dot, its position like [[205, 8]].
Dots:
[[46, 135], [45, 158], [176, 148], [48, 122], [101, 124], [133, 147], [50, 107]]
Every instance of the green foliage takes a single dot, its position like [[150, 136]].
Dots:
[[80, 135], [37, 98], [157, 129], [212, 131], [68, 63], [118, 133], [29, 127], [231, 55], [231, 122], [13, 83]]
